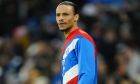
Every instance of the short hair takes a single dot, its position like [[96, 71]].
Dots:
[[75, 7]]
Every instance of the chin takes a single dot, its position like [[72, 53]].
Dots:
[[62, 29]]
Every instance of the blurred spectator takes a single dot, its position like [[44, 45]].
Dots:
[[37, 65], [107, 48], [102, 70], [56, 73], [134, 64]]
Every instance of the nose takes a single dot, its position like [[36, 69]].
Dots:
[[61, 18]]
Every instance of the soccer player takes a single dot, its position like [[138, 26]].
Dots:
[[79, 60]]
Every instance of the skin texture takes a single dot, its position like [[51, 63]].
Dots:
[[66, 19]]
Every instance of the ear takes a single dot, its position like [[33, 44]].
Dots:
[[76, 17]]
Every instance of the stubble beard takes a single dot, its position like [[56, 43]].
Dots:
[[65, 29]]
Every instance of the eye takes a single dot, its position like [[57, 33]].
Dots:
[[57, 14], [65, 14]]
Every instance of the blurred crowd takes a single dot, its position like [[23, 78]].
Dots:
[[30, 41]]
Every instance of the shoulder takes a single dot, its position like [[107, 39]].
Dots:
[[84, 36], [83, 41]]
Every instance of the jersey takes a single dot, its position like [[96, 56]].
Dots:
[[79, 60]]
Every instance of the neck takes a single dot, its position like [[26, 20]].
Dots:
[[66, 33]]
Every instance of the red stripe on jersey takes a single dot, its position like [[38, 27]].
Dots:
[[73, 81]]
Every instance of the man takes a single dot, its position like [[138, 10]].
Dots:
[[79, 61]]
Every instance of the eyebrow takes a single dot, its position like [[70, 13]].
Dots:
[[62, 13]]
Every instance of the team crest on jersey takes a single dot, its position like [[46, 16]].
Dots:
[[67, 51]]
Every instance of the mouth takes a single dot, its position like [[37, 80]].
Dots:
[[61, 24]]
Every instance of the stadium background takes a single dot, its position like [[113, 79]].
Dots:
[[30, 42]]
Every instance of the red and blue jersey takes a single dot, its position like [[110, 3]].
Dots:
[[79, 60]]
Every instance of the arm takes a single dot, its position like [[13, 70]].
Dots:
[[87, 62]]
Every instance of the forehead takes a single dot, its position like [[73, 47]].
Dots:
[[64, 9]]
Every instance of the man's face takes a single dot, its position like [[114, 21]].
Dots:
[[65, 17]]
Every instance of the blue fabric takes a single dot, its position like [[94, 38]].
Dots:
[[86, 61]]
